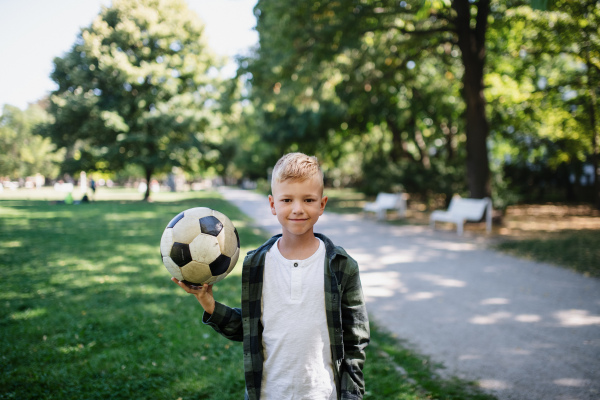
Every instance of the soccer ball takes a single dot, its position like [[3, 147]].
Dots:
[[199, 246]]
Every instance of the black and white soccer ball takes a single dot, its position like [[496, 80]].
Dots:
[[199, 246]]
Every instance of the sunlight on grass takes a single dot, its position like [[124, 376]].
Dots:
[[130, 216], [12, 243], [29, 314]]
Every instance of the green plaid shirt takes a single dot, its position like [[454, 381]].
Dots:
[[347, 319]]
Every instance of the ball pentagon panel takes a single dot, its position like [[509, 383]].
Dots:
[[211, 225], [180, 253], [175, 220], [220, 265], [224, 219]]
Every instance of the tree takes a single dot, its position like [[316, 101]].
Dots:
[[24, 153], [299, 39], [542, 91], [139, 86], [579, 38]]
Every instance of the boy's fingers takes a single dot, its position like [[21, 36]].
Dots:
[[189, 287]]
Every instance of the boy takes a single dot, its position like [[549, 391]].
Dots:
[[303, 319]]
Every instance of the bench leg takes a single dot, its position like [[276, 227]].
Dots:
[[403, 206], [459, 228]]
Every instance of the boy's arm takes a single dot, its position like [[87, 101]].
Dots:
[[225, 320], [356, 334]]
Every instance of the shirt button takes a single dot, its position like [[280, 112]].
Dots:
[[295, 264]]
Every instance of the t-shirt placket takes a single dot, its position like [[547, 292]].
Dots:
[[296, 282]]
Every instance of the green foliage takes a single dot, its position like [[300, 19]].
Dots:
[[387, 93], [22, 151], [577, 250], [138, 87], [541, 94], [542, 91], [341, 71]]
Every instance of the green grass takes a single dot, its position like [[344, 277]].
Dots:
[[345, 201], [577, 250], [418, 378], [87, 311]]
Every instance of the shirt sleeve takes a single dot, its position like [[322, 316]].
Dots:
[[226, 321], [356, 336]]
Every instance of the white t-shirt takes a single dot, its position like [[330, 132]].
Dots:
[[296, 342]]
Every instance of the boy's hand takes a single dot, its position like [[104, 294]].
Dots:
[[204, 294]]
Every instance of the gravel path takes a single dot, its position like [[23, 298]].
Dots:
[[522, 329]]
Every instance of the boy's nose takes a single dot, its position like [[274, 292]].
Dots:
[[297, 208]]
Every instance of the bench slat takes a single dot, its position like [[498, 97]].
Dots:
[[461, 210], [387, 201]]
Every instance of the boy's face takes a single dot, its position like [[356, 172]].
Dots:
[[298, 205]]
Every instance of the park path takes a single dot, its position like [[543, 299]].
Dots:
[[522, 329]]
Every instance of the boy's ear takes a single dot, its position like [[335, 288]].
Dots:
[[323, 203], [272, 205]]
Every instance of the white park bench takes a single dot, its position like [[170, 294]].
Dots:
[[385, 202], [461, 210]]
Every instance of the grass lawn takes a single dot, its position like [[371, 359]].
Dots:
[[578, 250], [87, 310], [565, 235]]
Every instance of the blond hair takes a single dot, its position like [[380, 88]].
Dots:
[[296, 167]]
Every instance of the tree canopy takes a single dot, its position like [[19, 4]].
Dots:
[[23, 152], [380, 43], [479, 98], [419, 92], [138, 87]]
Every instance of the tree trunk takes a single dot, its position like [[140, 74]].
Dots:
[[149, 172], [472, 45], [398, 145]]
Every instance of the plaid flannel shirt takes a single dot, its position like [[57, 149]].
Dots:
[[347, 320]]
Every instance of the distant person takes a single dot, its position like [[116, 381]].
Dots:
[[69, 198], [93, 187], [303, 318]]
